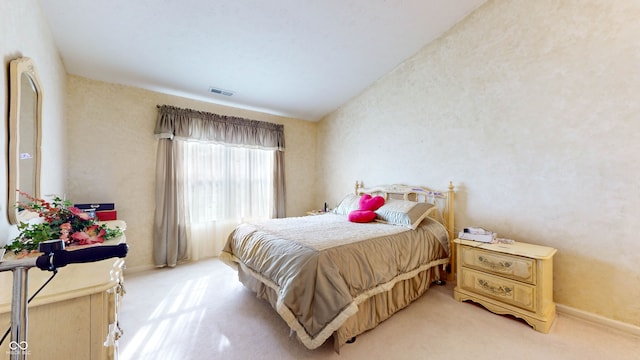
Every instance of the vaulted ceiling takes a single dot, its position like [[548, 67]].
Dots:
[[295, 58]]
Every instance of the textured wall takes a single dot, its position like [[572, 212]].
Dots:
[[24, 32], [112, 154], [531, 108]]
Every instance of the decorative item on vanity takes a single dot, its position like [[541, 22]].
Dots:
[[59, 220], [103, 211]]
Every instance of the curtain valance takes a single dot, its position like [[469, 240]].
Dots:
[[190, 124]]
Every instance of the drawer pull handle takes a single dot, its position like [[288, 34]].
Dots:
[[120, 289], [503, 266], [496, 290]]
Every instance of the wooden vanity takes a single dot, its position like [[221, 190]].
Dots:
[[76, 315]]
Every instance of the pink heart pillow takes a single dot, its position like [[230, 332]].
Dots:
[[362, 216], [371, 203]]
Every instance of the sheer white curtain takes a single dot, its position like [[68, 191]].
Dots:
[[224, 185]]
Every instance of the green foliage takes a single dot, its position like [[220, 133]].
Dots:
[[61, 221]]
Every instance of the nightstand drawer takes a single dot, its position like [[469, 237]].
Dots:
[[503, 290], [514, 267]]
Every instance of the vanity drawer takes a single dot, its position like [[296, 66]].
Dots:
[[511, 266], [501, 289]]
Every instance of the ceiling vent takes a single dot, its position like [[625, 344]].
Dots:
[[219, 91]]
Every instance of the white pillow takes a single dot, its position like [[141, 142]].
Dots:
[[349, 203]]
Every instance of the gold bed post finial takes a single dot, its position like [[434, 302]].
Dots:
[[451, 230], [450, 198], [357, 186]]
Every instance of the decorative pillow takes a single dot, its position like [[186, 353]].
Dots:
[[362, 216], [370, 203], [348, 204], [404, 212]]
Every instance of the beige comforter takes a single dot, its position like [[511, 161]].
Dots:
[[323, 266]]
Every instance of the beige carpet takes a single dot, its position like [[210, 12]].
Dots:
[[201, 311]]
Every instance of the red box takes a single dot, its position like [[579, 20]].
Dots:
[[106, 215]]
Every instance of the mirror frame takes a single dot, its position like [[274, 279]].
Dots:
[[22, 67]]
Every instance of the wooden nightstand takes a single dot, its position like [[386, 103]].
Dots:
[[317, 212], [515, 279]]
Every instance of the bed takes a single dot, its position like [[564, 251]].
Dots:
[[329, 277]]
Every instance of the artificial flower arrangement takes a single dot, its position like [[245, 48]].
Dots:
[[60, 221]]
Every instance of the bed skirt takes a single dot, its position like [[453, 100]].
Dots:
[[371, 311]]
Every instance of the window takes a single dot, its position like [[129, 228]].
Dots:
[[212, 172], [225, 182]]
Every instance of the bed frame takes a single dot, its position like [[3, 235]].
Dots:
[[383, 305], [443, 199]]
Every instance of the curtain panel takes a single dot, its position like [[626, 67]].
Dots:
[[175, 236]]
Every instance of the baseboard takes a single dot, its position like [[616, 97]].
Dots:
[[137, 269], [141, 268], [597, 319]]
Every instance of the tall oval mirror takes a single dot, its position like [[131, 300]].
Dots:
[[25, 135]]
